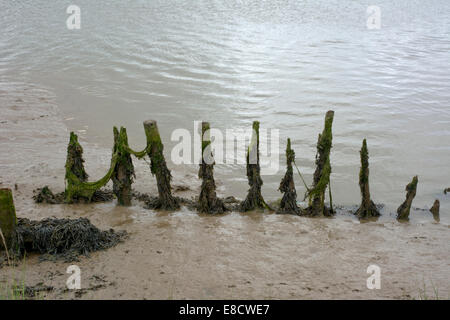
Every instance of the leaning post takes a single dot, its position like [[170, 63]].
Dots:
[[405, 207]]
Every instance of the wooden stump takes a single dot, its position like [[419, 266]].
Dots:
[[405, 207], [435, 210], [288, 203], [8, 220], [367, 208], [159, 168], [124, 169], [208, 201], [323, 171], [254, 199], [75, 161]]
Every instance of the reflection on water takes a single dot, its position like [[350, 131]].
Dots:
[[283, 63]]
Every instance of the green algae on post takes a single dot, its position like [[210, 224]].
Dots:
[[76, 184], [288, 203], [124, 169], [254, 199], [322, 173], [8, 219], [405, 207], [208, 202], [367, 209], [159, 168]]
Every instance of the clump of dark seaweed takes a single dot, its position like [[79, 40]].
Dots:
[[62, 238], [45, 195]]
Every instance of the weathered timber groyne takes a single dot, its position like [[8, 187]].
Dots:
[[121, 172]]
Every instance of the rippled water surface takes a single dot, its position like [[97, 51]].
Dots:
[[283, 63]]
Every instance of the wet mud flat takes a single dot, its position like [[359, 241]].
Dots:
[[183, 254]]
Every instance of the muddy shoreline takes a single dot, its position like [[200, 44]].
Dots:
[[188, 255]]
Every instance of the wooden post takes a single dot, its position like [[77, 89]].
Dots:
[[367, 208], [323, 171], [254, 197], [8, 219], [75, 161], [435, 210], [287, 186], [159, 168], [208, 201], [403, 210], [124, 170]]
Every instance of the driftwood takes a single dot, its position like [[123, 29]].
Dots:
[[8, 220], [322, 173], [435, 210], [367, 209], [405, 207], [288, 203], [124, 169], [254, 199], [208, 202], [159, 168]]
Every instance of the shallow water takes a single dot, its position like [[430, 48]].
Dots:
[[231, 62]]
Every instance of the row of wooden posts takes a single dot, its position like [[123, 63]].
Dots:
[[121, 172]]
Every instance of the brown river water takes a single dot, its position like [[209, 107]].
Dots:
[[284, 63]]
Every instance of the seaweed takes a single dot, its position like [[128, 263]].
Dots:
[[76, 184], [45, 195], [62, 238]]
